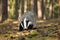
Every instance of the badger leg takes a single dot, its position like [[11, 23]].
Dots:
[[20, 27]]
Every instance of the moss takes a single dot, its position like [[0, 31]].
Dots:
[[32, 34], [52, 35]]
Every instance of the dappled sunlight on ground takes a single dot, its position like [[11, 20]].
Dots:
[[43, 31]]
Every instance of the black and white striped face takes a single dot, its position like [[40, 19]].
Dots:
[[26, 24]]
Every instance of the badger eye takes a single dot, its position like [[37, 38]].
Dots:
[[21, 21], [27, 21]]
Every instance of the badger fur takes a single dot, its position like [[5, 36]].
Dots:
[[27, 21]]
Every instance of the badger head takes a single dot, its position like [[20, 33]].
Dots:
[[26, 24]]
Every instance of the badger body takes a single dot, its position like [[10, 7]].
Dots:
[[27, 21]]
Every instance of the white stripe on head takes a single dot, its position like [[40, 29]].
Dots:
[[29, 23], [25, 19], [21, 24]]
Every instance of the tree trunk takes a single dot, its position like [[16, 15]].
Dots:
[[39, 9], [35, 7], [0, 11], [16, 9], [43, 9], [28, 5], [51, 9], [32, 5], [25, 6], [59, 8], [4, 10], [22, 7], [19, 11]]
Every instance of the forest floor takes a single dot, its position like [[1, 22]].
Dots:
[[45, 30]]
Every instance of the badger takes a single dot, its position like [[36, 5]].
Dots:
[[27, 21]]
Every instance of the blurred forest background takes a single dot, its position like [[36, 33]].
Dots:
[[45, 9], [48, 19]]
